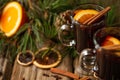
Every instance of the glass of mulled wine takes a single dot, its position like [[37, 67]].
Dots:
[[104, 60], [78, 34], [108, 56], [84, 32], [108, 63]]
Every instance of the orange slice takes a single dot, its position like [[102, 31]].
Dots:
[[11, 18], [83, 15], [76, 11], [109, 40]]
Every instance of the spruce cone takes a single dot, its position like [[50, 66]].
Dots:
[[63, 18]]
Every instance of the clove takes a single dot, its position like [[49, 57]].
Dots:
[[46, 75], [57, 77]]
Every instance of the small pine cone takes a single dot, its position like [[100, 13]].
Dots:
[[63, 18]]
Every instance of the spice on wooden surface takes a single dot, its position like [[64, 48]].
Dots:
[[57, 77], [65, 73], [46, 75]]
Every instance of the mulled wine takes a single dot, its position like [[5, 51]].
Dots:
[[107, 43], [85, 32], [107, 36], [108, 62]]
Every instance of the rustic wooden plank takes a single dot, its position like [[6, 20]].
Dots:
[[34, 73], [5, 68]]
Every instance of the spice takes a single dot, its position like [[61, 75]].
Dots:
[[46, 75], [57, 77]]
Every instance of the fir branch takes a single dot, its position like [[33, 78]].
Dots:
[[70, 50], [3, 3], [25, 4], [46, 53], [111, 16], [59, 6], [22, 29]]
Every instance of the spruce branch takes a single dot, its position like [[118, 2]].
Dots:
[[30, 4]]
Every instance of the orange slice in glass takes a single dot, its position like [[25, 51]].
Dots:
[[109, 40], [83, 15], [12, 18]]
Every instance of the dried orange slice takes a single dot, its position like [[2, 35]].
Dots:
[[48, 61], [11, 18], [83, 15]]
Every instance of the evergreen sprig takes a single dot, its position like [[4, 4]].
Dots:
[[3, 3], [111, 17], [47, 27], [28, 37], [55, 6]]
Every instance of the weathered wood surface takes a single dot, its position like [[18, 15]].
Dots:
[[33, 73], [5, 68]]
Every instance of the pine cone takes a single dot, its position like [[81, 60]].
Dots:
[[63, 18]]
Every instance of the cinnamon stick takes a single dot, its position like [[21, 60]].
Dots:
[[69, 74], [84, 78], [96, 17]]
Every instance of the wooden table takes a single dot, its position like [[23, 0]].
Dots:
[[5, 68], [34, 73]]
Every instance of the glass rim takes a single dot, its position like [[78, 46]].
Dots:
[[86, 4], [96, 43]]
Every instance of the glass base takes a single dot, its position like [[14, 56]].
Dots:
[[96, 77]]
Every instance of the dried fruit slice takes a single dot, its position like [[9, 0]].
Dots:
[[49, 61], [109, 40], [11, 18], [83, 15]]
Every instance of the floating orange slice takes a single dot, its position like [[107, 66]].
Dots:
[[76, 11], [12, 18], [109, 40], [83, 15]]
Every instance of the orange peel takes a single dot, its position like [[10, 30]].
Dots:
[[109, 40], [12, 18]]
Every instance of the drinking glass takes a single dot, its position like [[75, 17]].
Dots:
[[78, 35], [103, 58], [101, 34], [108, 62], [87, 61]]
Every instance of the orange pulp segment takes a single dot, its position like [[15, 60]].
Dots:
[[11, 18], [83, 15], [109, 40]]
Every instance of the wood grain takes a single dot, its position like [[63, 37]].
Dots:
[[5, 68], [33, 73]]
